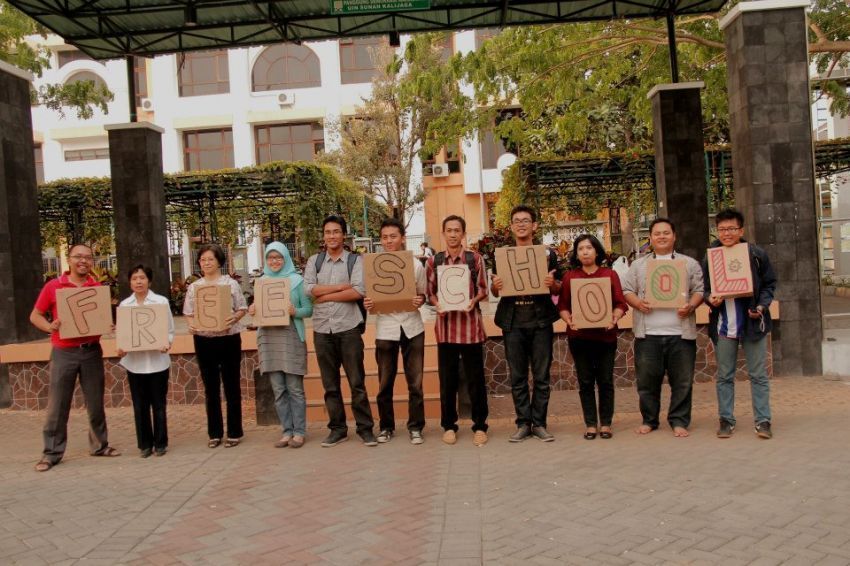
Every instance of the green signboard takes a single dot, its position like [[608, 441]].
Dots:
[[372, 6]]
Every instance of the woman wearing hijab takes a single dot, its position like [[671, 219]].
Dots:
[[282, 351]]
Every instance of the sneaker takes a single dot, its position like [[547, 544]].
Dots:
[[540, 433], [726, 429], [385, 436], [334, 438], [368, 438], [450, 437], [416, 437], [479, 438], [763, 430], [522, 432]]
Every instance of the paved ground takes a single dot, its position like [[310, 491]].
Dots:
[[629, 500]]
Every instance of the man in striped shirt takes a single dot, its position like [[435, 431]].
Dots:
[[460, 335]]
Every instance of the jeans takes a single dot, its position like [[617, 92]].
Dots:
[[289, 402], [346, 349], [65, 365], [655, 355], [149, 392], [413, 359], [449, 357], [218, 359], [594, 361], [726, 352], [534, 346]]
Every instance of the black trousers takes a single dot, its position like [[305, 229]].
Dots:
[[655, 356], [149, 392], [594, 362], [413, 359], [345, 349], [524, 346], [218, 360], [450, 357]]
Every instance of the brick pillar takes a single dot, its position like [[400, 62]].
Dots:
[[20, 241], [773, 165], [680, 163], [138, 201]]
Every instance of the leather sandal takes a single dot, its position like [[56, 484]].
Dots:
[[214, 442], [109, 452], [606, 434], [589, 435], [43, 466], [231, 442]]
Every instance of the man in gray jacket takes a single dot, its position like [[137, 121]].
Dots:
[[665, 339]]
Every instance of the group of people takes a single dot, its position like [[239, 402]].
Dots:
[[332, 292]]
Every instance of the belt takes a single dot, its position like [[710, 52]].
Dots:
[[87, 345]]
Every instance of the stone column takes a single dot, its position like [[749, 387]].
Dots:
[[773, 165], [680, 163], [20, 241], [138, 201]]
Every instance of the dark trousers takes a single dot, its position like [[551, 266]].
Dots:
[[149, 391], [524, 346], [655, 355], [65, 365], [413, 358], [346, 349], [450, 357], [594, 362], [218, 360]]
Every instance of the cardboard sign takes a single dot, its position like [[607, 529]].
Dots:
[[141, 327], [212, 307], [729, 271], [390, 281], [591, 302], [84, 311], [666, 283], [453, 287], [271, 301], [522, 269]]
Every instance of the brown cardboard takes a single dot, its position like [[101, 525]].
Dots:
[[271, 301], [591, 302], [666, 283], [729, 271], [390, 281], [141, 328], [84, 311], [453, 287], [212, 307], [522, 269]]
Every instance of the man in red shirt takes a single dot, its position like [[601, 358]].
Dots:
[[70, 358]]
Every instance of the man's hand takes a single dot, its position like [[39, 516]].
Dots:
[[369, 303], [496, 283], [54, 326], [120, 353], [549, 280], [686, 310], [643, 306], [714, 300], [252, 309], [756, 313], [165, 349], [470, 306], [418, 301]]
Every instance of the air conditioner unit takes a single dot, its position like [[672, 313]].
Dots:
[[286, 98], [147, 105], [440, 170]]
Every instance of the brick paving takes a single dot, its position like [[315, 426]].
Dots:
[[629, 500]]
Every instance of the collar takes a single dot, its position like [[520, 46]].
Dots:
[[65, 280]]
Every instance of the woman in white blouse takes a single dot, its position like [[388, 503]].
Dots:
[[219, 352], [148, 372]]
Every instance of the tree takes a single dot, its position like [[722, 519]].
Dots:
[[81, 96], [412, 99]]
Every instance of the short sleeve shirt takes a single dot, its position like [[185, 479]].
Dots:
[[46, 303]]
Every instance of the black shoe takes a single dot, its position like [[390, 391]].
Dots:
[[145, 453], [385, 435], [161, 451], [522, 432], [368, 438], [540, 433], [725, 430], [763, 430], [334, 438]]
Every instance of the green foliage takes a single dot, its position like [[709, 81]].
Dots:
[[830, 28]]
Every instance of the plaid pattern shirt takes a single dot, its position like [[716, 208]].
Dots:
[[460, 327]]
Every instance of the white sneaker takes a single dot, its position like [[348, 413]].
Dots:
[[385, 436], [416, 437]]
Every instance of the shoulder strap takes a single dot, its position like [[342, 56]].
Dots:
[[352, 259], [439, 258], [320, 260], [473, 266]]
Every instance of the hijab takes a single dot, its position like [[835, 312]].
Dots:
[[288, 269]]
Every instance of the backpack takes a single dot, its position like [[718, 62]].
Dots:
[[352, 259], [468, 256]]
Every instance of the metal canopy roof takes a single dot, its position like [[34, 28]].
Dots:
[[107, 29]]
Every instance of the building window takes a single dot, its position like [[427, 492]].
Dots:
[[141, 79], [208, 149], [453, 157], [86, 76], [286, 65], [203, 72], [39, 163], [357, 58], [66, 57], [289, 142], [494, 146], [86, 154]]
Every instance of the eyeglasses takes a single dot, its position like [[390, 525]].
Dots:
[[727, 230], [82, 257], [521, 221]]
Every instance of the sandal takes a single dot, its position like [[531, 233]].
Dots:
[[231, 442], [43, 466], [589, 435], [606, 434], [109, 452], [283, 442], [214, 442]]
